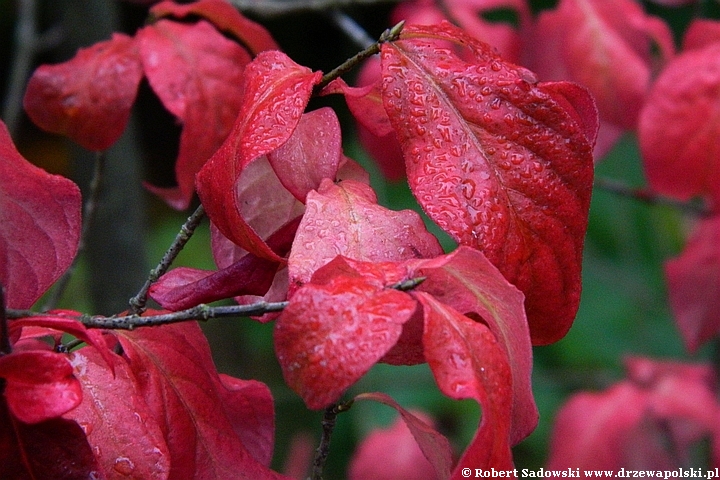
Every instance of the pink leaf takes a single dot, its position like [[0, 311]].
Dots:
[[331, 334], [398, 455], [345, 219], [467, 362], [312, 153], [39, 385], [196, 73], [225, 17], [653, 420], [701, 33], [681, 157], [276, 91], [604, 45], [694, 285], [87, 98], [39, 226], [466, 281], [497, 161]]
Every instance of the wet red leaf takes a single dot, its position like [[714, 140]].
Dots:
[[176, 377], [196, 72], [276, 91], [39, 385], [126, 439], [681, 157], [87, 98], [466, 281], [331, 334], [693, 280], [39, 226], [312, 153], [468, 363], [497, 161], [345, 219]]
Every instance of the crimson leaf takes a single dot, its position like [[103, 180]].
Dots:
[[332, 333], [467, 362], [39, 226], [195, 71], [89, 97], [498, 161], [176, 377], [276, 91]]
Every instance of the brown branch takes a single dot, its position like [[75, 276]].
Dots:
[[328, 425]]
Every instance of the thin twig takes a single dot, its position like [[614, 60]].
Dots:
[[138, 302], [328, 425], [89, 209], [650, 197], [200, 312], [389, 35], [275, 8]]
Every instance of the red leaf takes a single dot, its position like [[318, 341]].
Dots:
[[693, 281], [605, 45], [374, 130], [126, 440], [498, 162], [176, 377], [681, 157], [345, 219], [39, 385], [53, 449], [701, 33], [39, 226], [397, 447], [312, 153], [67, 321], [225, 17], [249, 406], [276, 91], [467, 362], [469, 15], [466, 281], [653, 420], [182, 288], [87, 98], [196, 73], [331, 334]]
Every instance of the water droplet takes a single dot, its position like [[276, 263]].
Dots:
[[124, 466], [468, 188]]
